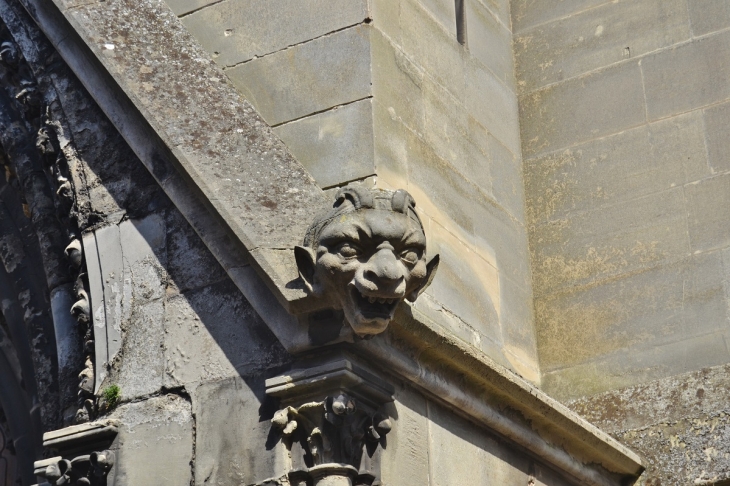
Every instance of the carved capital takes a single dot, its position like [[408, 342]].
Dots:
[[333, 422]]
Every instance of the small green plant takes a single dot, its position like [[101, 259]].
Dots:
[[112, 395]]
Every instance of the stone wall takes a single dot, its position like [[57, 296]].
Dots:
[[624, 113], [623, 107], [392, 93]]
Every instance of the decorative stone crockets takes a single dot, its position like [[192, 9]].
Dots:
[[333, 423], [365, 256]]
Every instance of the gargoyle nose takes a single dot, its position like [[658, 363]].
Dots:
[[383, 266]]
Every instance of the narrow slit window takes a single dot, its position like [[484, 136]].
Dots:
[[460, 21]]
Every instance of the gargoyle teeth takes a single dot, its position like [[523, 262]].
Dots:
[[372, 299]]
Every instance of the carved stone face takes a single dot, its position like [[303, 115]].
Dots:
[[366, 258]]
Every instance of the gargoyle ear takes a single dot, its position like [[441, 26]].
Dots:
[[431, 268], [305, 263]]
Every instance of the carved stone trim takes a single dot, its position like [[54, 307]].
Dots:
[[82, 455], [333, 422]]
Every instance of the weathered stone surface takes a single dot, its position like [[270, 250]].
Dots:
[[717, 119], [155, 442], [658, 301], [588, 247], [507, 183], [581, 109], [596, 38], [687, 77], [493, 104], [636, 365], [443, 11], [455, 136], [441, 57], [490, 41], [526, 13], [406, 461], [615, 169], [335, 146], [213, 333], [500, 9], [233, 143], [190, 265], [139, 367], [708, 16], [236, 32], [669, 400], [455, 442], [233, 425], [308, 78], [397, 84], [708, 219], [182, 7], [679, 423]]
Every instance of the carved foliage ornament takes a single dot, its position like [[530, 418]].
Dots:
[[90, 470], [335, 433], [366, 255]]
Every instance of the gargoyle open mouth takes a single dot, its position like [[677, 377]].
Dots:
[[372, 307]]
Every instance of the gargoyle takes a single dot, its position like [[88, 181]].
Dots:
[[366, 255]]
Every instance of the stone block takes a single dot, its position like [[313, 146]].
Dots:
[[406, 460], [614, 169], [182, 7], [673, 303], [233, 424], [235, 32], [190, 265], [526, 13], [493, 104], [708, 218], [582, 109], [664, 400], [635, 366], [596, 38], [466, 285], [386, 18], [213, 333], [155, 442], [397, 82], [139, 368], [490, 41], [456, 442], [687, 77], [432, 47], [335, 146], [443, 11], [588, 247], [390, 146], [502, 237], [308, 78], [708, 15], [143, 244], [455, 136], [500, 9], [717, 121], [518, 330], [507, 186]]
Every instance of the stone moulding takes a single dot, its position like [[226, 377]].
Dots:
[[82, 455], [250, 202], [333, 422]]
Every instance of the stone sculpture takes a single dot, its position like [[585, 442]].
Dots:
[[366, 255]]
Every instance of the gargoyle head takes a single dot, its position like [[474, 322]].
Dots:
[[366, 255]]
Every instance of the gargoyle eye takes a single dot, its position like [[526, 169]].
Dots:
[[410, 255], [348, 250]]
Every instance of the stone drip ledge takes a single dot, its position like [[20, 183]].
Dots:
[[250, 202], [457, 374]]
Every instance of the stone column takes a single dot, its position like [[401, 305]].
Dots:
[[332, 421]]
